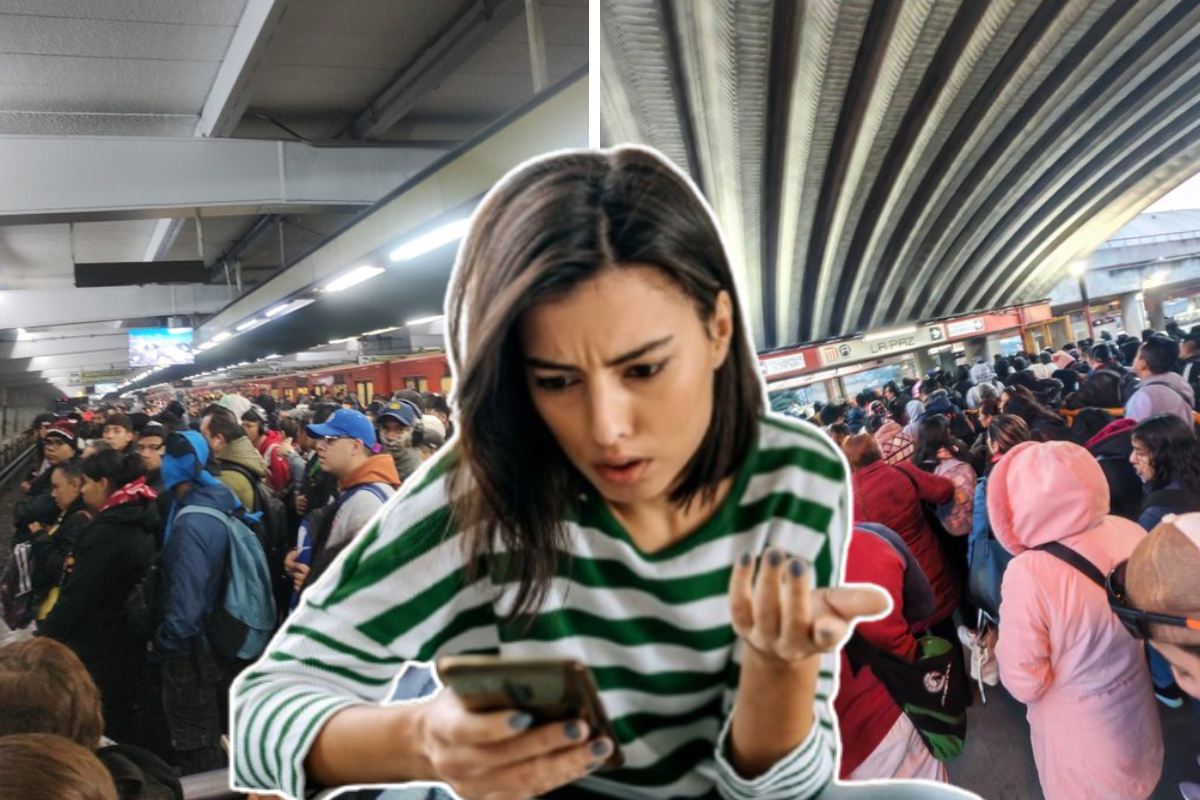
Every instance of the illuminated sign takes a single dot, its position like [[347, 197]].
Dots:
[[966, 327], [859, 350], [781, 364]]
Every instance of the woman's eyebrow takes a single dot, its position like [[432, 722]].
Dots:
[[632, 355]]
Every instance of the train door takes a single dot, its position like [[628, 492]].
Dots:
[[366, 392]]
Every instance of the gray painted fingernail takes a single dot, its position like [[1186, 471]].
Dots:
[[573, 731], [745, 560], [797, 568], [519, 722], [774, 558], [601, 748]]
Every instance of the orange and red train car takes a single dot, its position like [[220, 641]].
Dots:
[[424, 373]]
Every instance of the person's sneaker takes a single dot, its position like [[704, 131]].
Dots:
[[1190, 791], [1170, 696]]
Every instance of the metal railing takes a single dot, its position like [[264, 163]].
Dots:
[[1151, 238], [208, 786], [14, 453]]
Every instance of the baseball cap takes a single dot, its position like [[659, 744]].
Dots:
[[402, 411], [1161, 575], [346, 422]]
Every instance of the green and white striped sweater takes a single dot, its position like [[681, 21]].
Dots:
[[654, 628]]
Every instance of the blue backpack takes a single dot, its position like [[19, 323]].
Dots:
[[243, 619]]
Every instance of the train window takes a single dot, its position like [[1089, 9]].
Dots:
[[411, 383], [423, 385], [447, 382], [275, 393]]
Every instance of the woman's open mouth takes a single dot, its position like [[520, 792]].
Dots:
[[624, 472]]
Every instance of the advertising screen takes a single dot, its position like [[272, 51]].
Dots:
[[160, 347], [102, 389]]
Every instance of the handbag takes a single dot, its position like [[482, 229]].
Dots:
[[931, 690], [986, 561]]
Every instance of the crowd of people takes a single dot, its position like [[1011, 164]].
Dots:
[[111, 560], [1087, 448]]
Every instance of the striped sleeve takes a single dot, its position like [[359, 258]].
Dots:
[[807, 478], [398, 594]]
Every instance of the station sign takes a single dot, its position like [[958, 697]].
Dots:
[[102, 375], [777, 365], [966, 327], [861, 350]]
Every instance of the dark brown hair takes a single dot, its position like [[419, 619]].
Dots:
[[550, 226], [1007, 431], [45, 765], [44, 688]]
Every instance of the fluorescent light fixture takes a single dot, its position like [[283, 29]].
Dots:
[[208, 346], [343, 341], [888, 334], [178, 330], [248, 324], [1077, 268], [279, 309], [353, 278], [451, 231], [273, 355], [424, 320], [24, 335], [222, 336], [381, 330]]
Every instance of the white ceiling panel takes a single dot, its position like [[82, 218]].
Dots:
[[417, 19], [41, 123], [180, 12], [293, 46], [70, 80], [104, 39]]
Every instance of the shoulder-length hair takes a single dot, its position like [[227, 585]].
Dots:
[[1174, 451], [548, 227], [933, 434]]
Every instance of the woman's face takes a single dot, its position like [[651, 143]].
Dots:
[[56, 450], [621, 370], [1143, 464], [95, 493]]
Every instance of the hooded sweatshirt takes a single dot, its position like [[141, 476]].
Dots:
[[1112, 447], [1168, 393], [275, 455], [1095, 731], [358, 509], [240, 452]]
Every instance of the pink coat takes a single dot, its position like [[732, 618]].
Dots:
[[1095, 728]]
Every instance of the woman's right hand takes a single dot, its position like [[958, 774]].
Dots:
[[501, 755]]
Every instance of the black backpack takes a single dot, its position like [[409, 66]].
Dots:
[[272, 530], [1127, 382]]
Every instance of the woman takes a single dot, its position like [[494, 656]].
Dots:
[[989, 409], [1044, 424], [611, 432], [892, 496], [1111, 444], [939, 452], [1166, 457], [878, 739], [1062, 652], [43, 765], [111, 556]]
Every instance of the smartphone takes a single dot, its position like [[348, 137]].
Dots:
[[550, 689]]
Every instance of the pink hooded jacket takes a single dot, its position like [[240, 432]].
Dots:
[[1095, 728]]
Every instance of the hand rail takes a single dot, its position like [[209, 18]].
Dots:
[[12, 463]]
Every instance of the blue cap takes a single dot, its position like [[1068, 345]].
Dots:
[[402, 411], [346, 422]]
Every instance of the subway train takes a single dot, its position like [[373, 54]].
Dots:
[[427, 372]]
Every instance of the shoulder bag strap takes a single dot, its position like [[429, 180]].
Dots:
[[1061, 551]]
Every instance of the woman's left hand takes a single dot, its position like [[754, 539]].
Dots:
[[781, 618]]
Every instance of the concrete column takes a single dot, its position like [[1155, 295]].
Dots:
[[924, 362], [946, 361], [1061, 333], [1132, 315], [978, 347], [1154, 310]]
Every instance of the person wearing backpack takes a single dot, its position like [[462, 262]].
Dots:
[[270, 445], [346, 448], [195, 552], [241, 465], [1162, 391], [1109, 386], [1095, 730]]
